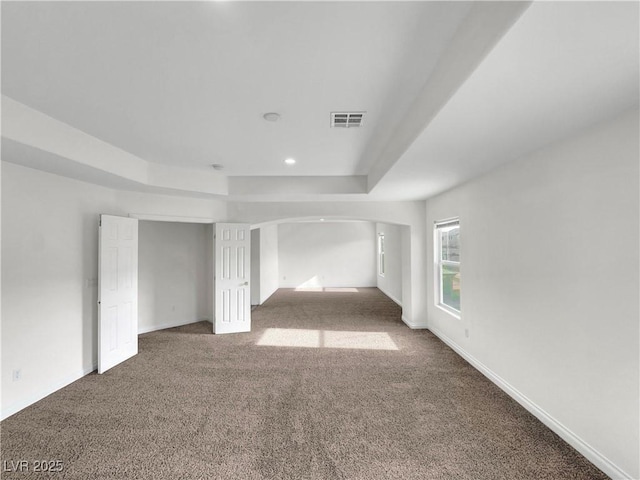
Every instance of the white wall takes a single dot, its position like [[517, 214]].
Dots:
[[549, 287], [49, 288], [391, 282], [170, 207], [255, 267], [1, 371], [269, 263], [50, 269], [327, 254], [173, 274], [264, 263]]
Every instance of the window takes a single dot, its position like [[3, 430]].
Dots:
[[381, 254], [447, 258]]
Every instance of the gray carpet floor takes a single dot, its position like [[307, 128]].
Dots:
[[328, 385]]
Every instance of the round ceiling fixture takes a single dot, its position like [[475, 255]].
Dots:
[[271, 116], [290, 161]]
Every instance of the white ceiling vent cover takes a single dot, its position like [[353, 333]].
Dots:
[[346, 119]]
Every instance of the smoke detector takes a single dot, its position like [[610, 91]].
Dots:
[[271, 116], [346, 119]]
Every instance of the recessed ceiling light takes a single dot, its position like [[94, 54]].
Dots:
[[322, 219], [271, 116], [290, 161]]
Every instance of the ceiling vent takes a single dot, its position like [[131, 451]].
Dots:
[[346, 119]]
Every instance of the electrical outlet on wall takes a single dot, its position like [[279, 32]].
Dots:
[[466, 332], [17, 375]]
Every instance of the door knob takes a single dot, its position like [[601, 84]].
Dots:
[[245, 284]]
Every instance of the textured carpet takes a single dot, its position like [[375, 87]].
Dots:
[[329, 385]]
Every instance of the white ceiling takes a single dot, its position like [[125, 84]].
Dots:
[[563, 67], [451, 89]]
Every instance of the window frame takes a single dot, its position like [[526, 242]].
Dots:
[[381, 258], [439, 263]]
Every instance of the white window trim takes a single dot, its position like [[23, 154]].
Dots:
[[381, 257], [451, 311], [439, 302]]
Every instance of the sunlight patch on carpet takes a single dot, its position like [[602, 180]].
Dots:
[[327, 289], [294, 337], [314, 284]]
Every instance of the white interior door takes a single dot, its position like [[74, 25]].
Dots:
[[118, 291], [232, 273]]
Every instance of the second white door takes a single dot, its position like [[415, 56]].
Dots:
[[232, 273]]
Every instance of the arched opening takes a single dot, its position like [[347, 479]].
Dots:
[[330, 253]]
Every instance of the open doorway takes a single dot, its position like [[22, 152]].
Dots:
[[389, 260], [175, 274], [326, 254]]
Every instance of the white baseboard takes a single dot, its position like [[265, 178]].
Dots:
[[7, 411], [412, 325], [391, 297], [267, 296], [590, 453], [153, 328]]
